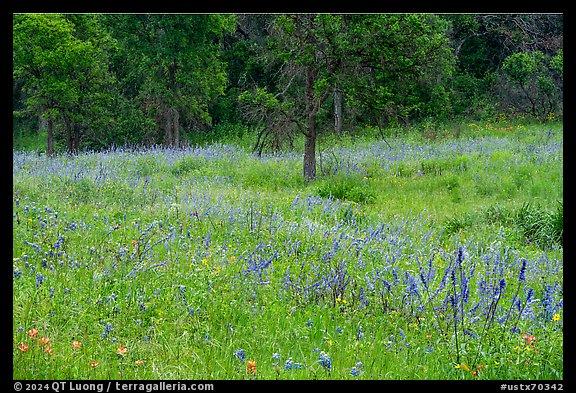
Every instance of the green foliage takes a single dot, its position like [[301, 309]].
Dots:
[[537, 82], [186, 165], [114, 80], [540, 226], [346, 187]]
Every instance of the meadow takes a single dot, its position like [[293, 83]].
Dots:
[[424, 256]]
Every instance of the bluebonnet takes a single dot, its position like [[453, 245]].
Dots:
[[325, 361], [240, 354], [39, 279], [359, 334]]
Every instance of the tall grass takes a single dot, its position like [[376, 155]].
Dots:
[[405, 259]]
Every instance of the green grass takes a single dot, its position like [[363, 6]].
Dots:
[[402, 261]]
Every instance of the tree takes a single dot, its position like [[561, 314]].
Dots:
[[171, 65], [40, 44], [381, 63], [62, 75], [534, 82]]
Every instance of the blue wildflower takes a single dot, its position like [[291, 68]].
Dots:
[[240, 354], [325, 361], [522, 275], [39, 279]]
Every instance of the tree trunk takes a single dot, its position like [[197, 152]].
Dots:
[[176, 127], [168, 131], [76, 138], [310, 143], [42, 123], [68, 125], [338, 110], [50, 148]]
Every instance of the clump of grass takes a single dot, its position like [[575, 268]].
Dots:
[[187, 164], [540, 226], [350, 188]]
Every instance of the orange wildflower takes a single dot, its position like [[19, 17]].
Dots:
[[122, 351], [32, 332], [23, 347], [94, 364], [44, 340], [76, 344], [251, 367], [529, 339]]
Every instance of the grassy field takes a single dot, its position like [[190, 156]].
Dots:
[[424, 256]]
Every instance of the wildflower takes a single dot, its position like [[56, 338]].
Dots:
[[522, 275], [276, 356], [251, 367], [232, 259], [240, 354], [94, 364], [354, 371], [122, 351], [556, 317], [76, 344], [44, 341], [325, 361], [48, 350], [529, 339], [23, 347], [138, 362], [359, 334], [32, 332]]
